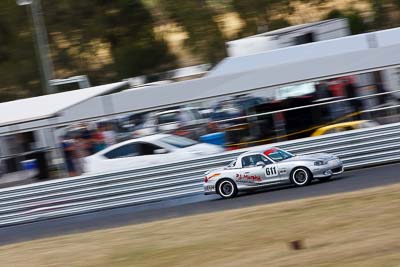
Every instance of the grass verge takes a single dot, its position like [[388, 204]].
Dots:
[[352, 229]]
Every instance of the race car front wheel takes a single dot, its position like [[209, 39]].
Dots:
[[227, 188], [301, 176]]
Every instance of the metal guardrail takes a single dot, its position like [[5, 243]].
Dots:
[[84, 194]]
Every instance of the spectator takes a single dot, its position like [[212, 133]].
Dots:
[[109, 136], [68, 148], [98, 140], [212, 127], [79, 154], [322, 90], [89, 143], [184, 119], [351, 91]]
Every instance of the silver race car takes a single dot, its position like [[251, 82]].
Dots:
[[273, 166]]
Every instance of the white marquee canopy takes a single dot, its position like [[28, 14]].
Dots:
[[47, 106]]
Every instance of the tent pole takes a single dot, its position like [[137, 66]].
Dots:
[[57, 155]]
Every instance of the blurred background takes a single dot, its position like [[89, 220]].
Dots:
[[133, 100], [48, 47], [112, 40]]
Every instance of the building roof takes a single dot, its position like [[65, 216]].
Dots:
[[294, 28], [290, 55], [47, 106]]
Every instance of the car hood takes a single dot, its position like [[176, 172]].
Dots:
[[313, 157]]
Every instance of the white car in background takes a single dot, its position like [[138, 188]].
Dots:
[[147, 151], [171, 120]]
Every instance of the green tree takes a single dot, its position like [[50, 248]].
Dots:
[[75, 29], [125, 25], [356, 21], [196, 18], [18, 69], [257, 14], [383, 13], [276, 24]]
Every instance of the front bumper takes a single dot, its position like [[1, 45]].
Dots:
[[334, 167]]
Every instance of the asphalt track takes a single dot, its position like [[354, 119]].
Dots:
[[346, 182]]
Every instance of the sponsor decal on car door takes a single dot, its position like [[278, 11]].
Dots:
[[258, 174], [251, 175]]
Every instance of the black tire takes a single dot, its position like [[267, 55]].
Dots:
[[227, 188], [325, 179], [301, 176]]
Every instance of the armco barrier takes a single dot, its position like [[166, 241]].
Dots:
[[84, 194]]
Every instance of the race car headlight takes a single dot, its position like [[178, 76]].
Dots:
[[320, 163]]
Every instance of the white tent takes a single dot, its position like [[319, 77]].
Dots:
[[39, 109], [294, 65], [279, 68]]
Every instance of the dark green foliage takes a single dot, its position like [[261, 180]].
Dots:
[[356, 22], [204, 37], [278, 24], [383, 13], [256, 14], [334, 14], [18, 67], [126, 27]]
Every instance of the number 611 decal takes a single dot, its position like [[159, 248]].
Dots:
[[271, 171]]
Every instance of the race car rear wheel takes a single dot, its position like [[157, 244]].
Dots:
[[301, 176], [227, 188]]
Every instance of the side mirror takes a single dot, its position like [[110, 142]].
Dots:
[[160, 151], [260, 164]]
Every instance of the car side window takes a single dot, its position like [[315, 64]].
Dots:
[[260, 158], [246, 162], [129, 150], [147, 148], [251, 161], [232, 164], [264, 159]]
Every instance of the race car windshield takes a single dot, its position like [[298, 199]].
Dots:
[[178, 141], [278, 154]]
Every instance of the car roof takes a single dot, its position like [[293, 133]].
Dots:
[[148, 138]]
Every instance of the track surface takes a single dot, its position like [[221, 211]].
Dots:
[[346, 182]]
